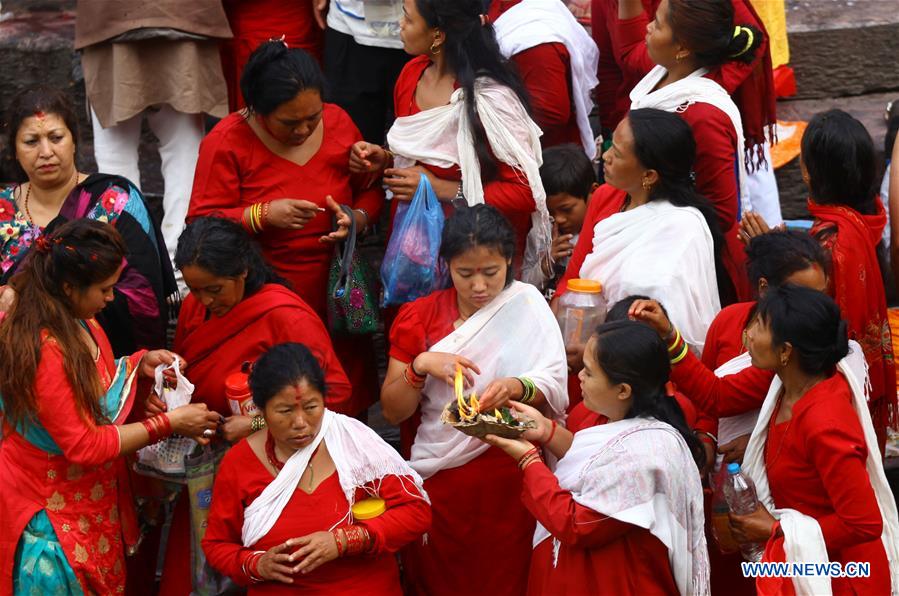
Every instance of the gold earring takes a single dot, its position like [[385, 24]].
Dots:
[[679, 57], [646, 184], [435, 49]]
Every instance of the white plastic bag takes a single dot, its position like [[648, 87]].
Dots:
[[166, 458]]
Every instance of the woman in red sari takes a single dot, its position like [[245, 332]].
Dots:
[[351, 501], [486, 323], [236, 310], [280, 168], [621, 513], [458, 70], [66, 519], [813, 454]]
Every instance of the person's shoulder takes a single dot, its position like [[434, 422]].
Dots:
[[706, 116], [232, 127], [827, 405], [414, 67], [734, 313]]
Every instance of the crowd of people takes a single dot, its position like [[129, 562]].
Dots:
[[726, 337]]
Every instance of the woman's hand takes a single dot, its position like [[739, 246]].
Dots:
[[735, 450], [544, 424], [291, 214], [236, 427], [343, 223], [752, 225], [276, 565], [192, 420], [755, 527], [320, 10], [154, 405], [367, 158], [403, 182], [515, 448], [7, 298], [316, 549], [442, 365], [154, 358], [499, 393], [650, 311]]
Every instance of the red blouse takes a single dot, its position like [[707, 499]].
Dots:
[[816, 465], [509, 192], [241, 479], [545, 70], [235, 169]]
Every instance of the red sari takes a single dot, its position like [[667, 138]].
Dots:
[[545, 70], [235, 169], [509, 192], [256, 21], [81, 483], [465, 525], [598, 554], [217, 347], [241, 479], [857, 287], [816, 465]]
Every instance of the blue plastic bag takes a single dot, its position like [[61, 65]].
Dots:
[[409, 269]]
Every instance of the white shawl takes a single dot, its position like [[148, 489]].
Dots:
[[803, 541], [664, 252], [678, 96], [514, 335], [360, 456], [442, 137], [534, 22], [640, 471], [731, 427]]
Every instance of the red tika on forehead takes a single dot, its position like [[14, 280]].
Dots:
[[40, 115]]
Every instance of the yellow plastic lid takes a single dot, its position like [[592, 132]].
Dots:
[[589, 286], [369, 508]]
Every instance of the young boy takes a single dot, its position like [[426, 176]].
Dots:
[[569, 180]]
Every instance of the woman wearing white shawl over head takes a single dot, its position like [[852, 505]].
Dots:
[[462, 120], [647, 231], [813, 454], [685, 40], [623, 513], [504, 336], [314, 501]]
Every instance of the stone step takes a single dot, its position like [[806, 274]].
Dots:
[[843, 47]]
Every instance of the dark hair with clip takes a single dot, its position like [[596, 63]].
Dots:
[[73, 257], [275, 74], [480, 225], [284, 365], [707, 28], [808, 320], [25, 104], [223, 248], [472, 51]]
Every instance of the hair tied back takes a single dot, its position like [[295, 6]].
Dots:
[[282, 39], [42, 244], [750, 38]]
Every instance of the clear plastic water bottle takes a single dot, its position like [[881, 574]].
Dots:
[[742, 500]]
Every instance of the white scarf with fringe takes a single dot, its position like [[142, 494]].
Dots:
[[640, 471], [442, 137], [531, 23], [803, 540], [360, 456]]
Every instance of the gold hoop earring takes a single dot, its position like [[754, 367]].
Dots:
[[435, 49], [646, 185]]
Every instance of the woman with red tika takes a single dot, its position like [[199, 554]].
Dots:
[[66, 516], [316, 502], [280, 168], [461, 120], [236, 310], [506, 340]]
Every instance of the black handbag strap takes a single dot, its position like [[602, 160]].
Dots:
[[345, 255]]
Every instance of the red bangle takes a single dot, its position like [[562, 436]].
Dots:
[[552, 433], [358, 540]]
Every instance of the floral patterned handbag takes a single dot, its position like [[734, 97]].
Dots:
[[352, 299]]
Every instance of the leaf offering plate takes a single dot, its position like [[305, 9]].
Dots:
[[464, 415]]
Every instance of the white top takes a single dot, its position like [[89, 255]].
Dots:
[[372, 23]]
